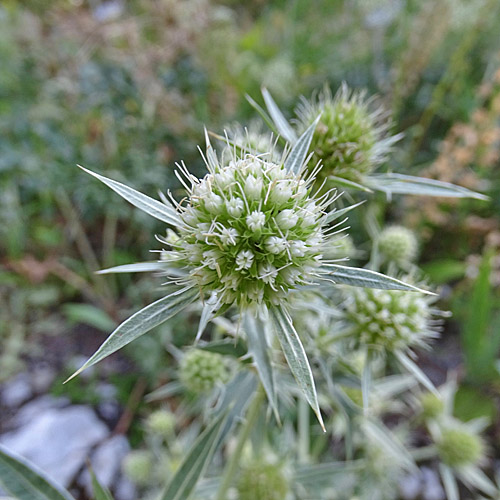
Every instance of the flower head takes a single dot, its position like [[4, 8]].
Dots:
[[350, 138], [252, 231], [161, 422], [458, 447], [202, 370], [138, 465], [398, 244], [262, 481], [388, 319]]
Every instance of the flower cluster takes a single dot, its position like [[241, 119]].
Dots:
[[202, 370], [262, 481], [350, 138], [398, 244], [459, 447], [388, 319], [252, 231]]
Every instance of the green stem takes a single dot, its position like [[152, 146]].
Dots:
[[232, 465], [303, 425]]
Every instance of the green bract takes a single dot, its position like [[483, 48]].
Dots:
[[350, 139], [201, 371]]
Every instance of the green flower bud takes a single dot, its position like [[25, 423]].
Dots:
[[398, 244], [388, 319], [161, 422], [201, 371], [349, 139], [138, 466], [262, 481], [431, 405], [459, 447]]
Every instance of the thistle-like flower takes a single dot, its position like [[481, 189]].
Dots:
[[398, 244], [138, 465], [351, 138], [162, 423], [249, 233], [201, 371], [262, 481], [458, 447], [389, 320]]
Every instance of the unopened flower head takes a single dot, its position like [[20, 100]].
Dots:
[[252, 230], [460, 447], [388, 319], [201, 371], [161, 422], [138, 465], [262, 481], [350, 139], [398, 244]]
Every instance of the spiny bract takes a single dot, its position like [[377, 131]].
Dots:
[[350, 137], [388, 319], [252, 231]]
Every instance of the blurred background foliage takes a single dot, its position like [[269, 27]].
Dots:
[[125, 88]]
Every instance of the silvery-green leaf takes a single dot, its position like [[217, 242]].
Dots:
[[165, 391], [320, 473], [413, 368], [257, 346], [297, 156], [356, 276], [475, 477], [155, 208], [279, 120], [227, 347], [207, 313], [449, 482], [378, 433], [391, 183], [336, 214], [24, 481], [340, 181], [195, 463], [141, 322], [100, 491], [137, 267], [296, 357], [267, 119]]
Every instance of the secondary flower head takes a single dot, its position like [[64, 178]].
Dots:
[[202, 370], [459, 447], [262, 481], [389, 320], [251, 232], [350, 139], [138, 465], [398, 244]]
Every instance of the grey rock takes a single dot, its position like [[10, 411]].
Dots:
[[410, 486], [106, 462], [42, 377], [39, 405], [58, 440], [125, 490], [432, 489], [16, 391]]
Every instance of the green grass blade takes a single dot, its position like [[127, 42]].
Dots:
[[195, 463], [24, 481], [296, 357], [298, 154], [100, 491], [141, 322], [356, 276], [155, 208]]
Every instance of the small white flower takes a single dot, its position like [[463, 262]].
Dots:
[[213, 203], [255, 220], [281, 193], [298, 248], [275, 244], [253, 187], [235, 207], [244, 260], [229, 236], [224, 178], [267, 273], [211, 257], [287, 219]]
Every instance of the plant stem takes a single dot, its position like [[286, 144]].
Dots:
[[233, 463], [303, 425]]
